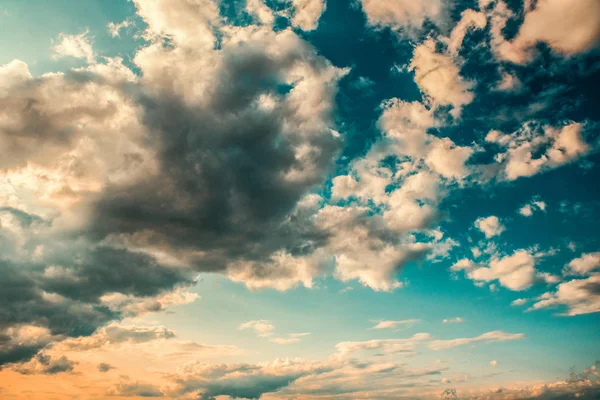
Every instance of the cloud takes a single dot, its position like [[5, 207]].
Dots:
[[515, 272], [249, 381], [135, 388], [307, 13], [115, 28], [568, 27], [263, 328], [292, 338], [490, 226], [580, 296], [404, 15], [584, 265], [518, 302], [470, 19], [104, 367], [391, 324], [114, 335], [438, 77], [536, 204], [489, 337], [76, 46], [387, 346], [457, 320], [44, 364], [493, 363], [534, 149], [88, 237]]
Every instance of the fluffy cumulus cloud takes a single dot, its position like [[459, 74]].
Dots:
[[578, 296], [490, 226], [584, 265], [96, 153], [76, 46], [516, 272], [404, 15], [568, 27]]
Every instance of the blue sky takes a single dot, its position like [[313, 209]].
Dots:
[[236, 193]]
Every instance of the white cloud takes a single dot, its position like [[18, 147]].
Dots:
[[534, 205], [438, 77], [489, 337], [391, 324], [584, 265], [457, 320], [490, 226], [292, 338], [77, 46], [560, 145], [265, 329], [493, 363], [387, 346], [262, 327], [307, 13], [448, 159], [568, 26], [515, 272], [580, 296], [404, 15], [470, 19], [115, 28], [519, 302]]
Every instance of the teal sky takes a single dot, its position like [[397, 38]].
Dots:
[[272, 182]]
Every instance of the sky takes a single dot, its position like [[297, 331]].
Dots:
[[300, 199]]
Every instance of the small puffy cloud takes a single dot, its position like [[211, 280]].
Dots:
[[76, 46], [262, 327], [579, 296], [456, 320], [584, 265], [391, 324], [493, 363], [516, 272], [489, 337], [536, 204], [104, 367], [490, 226], [519, 302]]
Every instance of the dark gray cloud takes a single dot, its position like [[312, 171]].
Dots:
[[141, 183], [104, 367]]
